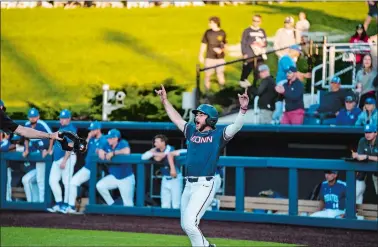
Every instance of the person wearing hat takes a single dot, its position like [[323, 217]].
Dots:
[[63, 166], [8, 125], [94, 140], [332, 196], [121, 176], [292, 92], [360, 36], [42, 146], [349, 114], [267, 95], [367, 150], [369, 115], [285, 37]]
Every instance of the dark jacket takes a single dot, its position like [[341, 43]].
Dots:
[[267, 94], [294, 95]]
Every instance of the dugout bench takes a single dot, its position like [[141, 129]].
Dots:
[[281, 206]]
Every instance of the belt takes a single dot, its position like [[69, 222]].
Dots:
[[195, 179]]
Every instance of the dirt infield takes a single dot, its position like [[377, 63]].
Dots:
[[247, 231]]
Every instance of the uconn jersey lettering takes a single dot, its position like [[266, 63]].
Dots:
[[333, 196], [203, 150]]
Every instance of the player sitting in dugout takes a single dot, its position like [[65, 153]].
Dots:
[[172, 180]]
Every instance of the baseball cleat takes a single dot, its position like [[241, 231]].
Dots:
[[54, 209], [212, 245]]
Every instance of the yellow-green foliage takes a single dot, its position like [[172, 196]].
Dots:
[[54, 55]]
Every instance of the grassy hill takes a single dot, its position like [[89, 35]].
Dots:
[[57, 56]]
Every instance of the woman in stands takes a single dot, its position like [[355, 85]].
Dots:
[[365, 77], [360, 36], [369, 115]]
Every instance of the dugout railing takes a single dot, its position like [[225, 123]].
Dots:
[[240, 164]]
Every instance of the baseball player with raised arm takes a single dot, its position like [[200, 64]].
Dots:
[[120, 176], [63, 166], [95, 140], [43, 146], [205, 143], [171, 184]]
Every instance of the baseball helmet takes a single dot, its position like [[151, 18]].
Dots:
[[210, 111]]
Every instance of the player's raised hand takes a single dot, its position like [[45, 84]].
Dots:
[[162, 93], [244, 99]]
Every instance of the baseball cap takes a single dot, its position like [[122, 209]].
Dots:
[[3, 105], [263, 67], [369, 128], [33, 112], [336, 79], [334, 172], [370, 101], [65, 114], [349, 99], [95, 125], [16, 137], [113, 133], [296, 47], [290, 69], [289, 19]]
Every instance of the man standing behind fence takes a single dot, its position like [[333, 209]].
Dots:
[[214, 43], [253, 44]]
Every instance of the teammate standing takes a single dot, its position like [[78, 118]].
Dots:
[[171, 184], [8, 125], [36, 175], [62, 167], [205, 143], [95, 140]]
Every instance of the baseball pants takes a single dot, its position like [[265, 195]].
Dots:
[[8, 195], [196, 198], [34, 183], [218, 183], [126, 188], [56, 174], [360, 190], [328, 213], [170, 192], [78, 179]]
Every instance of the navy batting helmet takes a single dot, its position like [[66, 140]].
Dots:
[[210, 111]]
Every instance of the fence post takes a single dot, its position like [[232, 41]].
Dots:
[[48, 192], [293, 191], [140, 190], [92, 184], [239, 189], [3, 180], [350, 195], [198, 90]]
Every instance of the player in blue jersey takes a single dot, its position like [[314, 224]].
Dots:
[[120, 176], [36, 175], [332, 197], [171, 183], [205, 143], [63, 166], [95, 140]]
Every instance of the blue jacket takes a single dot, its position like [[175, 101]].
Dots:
[[348, 117]]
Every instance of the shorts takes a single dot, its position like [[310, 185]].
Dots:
[[373, 11], [210, 62]]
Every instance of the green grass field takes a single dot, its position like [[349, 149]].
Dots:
[[54, 56], [17, 236]]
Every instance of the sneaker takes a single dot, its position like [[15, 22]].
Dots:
[[54, 209], [70, 210], [212, 245], [63, 209]]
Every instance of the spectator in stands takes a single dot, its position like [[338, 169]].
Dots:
[[302, 27], [369, 114], [374, 50], [332, 197], [373, 13], [365, 78], [360, 36], [253, 44], [286, 61], [367, 150], [349, 114], [120, 176], [292, 92], [267, 94], [36, 174], [285, 37], [375, 84], [171, 184], [214, 43], [332, 102]]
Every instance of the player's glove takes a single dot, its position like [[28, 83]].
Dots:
[[79, 144]]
